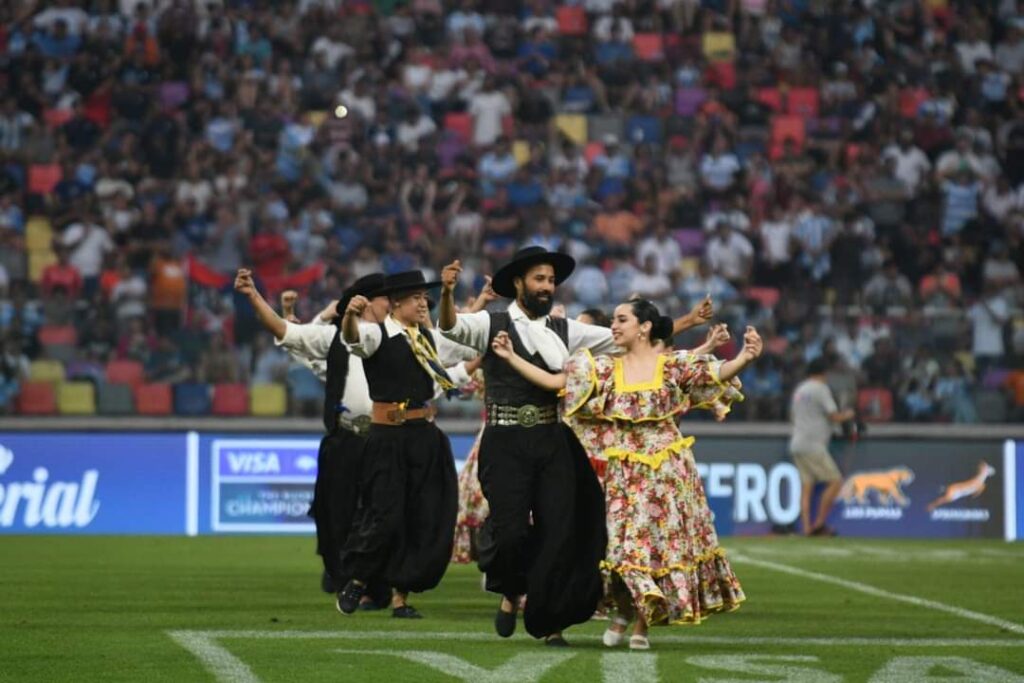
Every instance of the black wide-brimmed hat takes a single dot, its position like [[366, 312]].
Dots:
[[366, 286], [523, 260], [409, 281]]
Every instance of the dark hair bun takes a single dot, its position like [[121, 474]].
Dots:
[[661, 328]]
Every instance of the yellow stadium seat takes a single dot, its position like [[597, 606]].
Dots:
[[268, 400], [76, 398], [38, 234], [316, 118], [573, 126], [718, 46], [37, 262], [46, 371], [521, 151]]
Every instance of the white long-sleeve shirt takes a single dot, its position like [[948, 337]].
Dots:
[[474, 330]]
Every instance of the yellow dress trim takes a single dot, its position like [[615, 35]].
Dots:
[[568, 410], [651, 385], [652, 460], [664, 571]]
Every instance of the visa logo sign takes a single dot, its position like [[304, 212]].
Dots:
[[254, 462]]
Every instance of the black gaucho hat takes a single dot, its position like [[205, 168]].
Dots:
[[523, 260], [366, 286], [409, 281]]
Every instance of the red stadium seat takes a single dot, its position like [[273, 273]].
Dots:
[[874, 404], [649, 47], [788, 127], [766, 296], [230, 399], [572, 21], [125, 372], [43, 178], [461, 124], [58, 335], [770, 97], [154, 399], [803, 102], [37, 398]]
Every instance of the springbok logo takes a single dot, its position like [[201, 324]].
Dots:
[[972, 487], [886, 485]]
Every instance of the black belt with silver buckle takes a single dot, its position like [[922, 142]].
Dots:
[[359, 425], [521, 416]]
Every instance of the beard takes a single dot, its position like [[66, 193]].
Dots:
[[535, 305]]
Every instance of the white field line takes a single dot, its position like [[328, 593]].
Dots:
[[1010, 626], [227, 668]]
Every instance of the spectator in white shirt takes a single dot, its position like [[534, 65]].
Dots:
[[415, 127], [663, 248], [719, 168], [912, 165], [488, 107], [730, 255], [650, 284]]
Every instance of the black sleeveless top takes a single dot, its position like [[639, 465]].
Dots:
[[505, 386], [337, 377], [394, 374]]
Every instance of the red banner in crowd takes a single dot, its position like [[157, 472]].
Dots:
[[201, 274]]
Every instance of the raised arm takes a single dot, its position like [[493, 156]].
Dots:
[[264, 313], [751, 350], [698, 315], [502, 347], [469, 329]]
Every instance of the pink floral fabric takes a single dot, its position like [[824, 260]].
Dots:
[[472, 507], [662, 547]]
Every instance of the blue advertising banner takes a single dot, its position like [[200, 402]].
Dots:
[[84, 483], [1013, 460], [264, 483], [892, 487]]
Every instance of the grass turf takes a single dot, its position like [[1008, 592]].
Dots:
[[101, 608]]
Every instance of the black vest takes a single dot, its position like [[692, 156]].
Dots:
[[394, 374], [505, 386], [337, 377]]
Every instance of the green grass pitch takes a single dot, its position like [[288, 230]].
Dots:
[[249, 609]]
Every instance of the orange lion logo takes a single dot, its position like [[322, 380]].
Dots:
[[886, 485]]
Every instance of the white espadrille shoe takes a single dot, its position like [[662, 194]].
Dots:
[[613, 638]]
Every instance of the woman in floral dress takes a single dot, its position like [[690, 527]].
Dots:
[[663, 564], [472, 504]]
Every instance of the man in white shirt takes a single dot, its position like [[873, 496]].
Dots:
[[346, 416], [730, 254], [89, 245], [530, 468], [912, 165], [663, 247], [488, 107], [409, 489]]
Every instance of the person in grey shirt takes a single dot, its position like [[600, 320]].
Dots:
[[814, 413]]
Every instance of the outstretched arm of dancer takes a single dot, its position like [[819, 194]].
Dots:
[[502, 347], [717, 336], [264, 313], [751, 350], [698, 315]]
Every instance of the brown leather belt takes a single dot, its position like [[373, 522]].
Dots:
[[394, 414]]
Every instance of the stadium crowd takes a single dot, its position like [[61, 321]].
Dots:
[[848, 176]]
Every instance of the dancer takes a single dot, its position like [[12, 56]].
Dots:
[[346, 415], [404, 529], [531, 467], [664, 564]]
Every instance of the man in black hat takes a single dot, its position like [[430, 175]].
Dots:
[[346, 415], [531, 467], [404, 529]]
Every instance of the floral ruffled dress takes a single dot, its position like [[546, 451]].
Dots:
[[662, 545], [473, 508]]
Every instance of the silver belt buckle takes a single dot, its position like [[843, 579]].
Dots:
[[361, 424], [528, 416]]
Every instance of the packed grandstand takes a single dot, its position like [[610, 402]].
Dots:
[[847, 176]]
